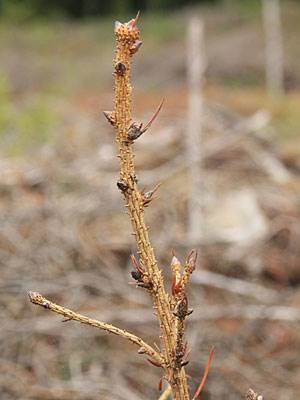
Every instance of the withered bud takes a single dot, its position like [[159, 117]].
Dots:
[[191, 261], [34, 297], [141, 350], [122, 185], [133, 22], [135, 47], [137, 275], [118, 25], [137, 265], [127, 31], [176, 277], [37, 298], [145, 284], [120, 68], [147, 197], [175, 263], [110, 116], [184, 363], [135, 131], [181, 309]]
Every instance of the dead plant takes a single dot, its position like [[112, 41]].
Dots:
[[171, 307]]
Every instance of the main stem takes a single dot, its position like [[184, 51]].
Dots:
[[127, 43]]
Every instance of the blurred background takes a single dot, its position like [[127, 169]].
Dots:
[[226, 148]]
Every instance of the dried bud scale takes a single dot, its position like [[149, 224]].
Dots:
[[176, 276], [122, 186], [189, 267], [135, 47], [140, 275], [181, 309], [137, 275], [120, 68], [147, 197], [110, 116], [136, 130], [141, 350]]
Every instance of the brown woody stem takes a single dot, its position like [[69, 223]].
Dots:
[[38, 299], [127, 43]]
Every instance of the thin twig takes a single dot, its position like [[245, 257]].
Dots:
[[38, 299], [205, 375]]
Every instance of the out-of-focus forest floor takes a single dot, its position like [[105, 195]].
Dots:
[[64, 233]]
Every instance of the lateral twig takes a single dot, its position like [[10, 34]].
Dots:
[[38, 299]]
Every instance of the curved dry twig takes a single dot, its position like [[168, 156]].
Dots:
[[38, 299]]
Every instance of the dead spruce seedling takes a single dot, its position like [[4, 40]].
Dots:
[[171, 306], [171, 309]]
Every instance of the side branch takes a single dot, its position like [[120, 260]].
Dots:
[[38, 299]]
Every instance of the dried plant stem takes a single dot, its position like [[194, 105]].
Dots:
[[38, 299], [127, 43], [165, 395]]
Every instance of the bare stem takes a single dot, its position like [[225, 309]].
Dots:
[[127, 44], [38, 299]]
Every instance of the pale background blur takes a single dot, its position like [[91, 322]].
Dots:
[[233, 194]]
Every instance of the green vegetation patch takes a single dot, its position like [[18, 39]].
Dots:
[[24, 126]]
